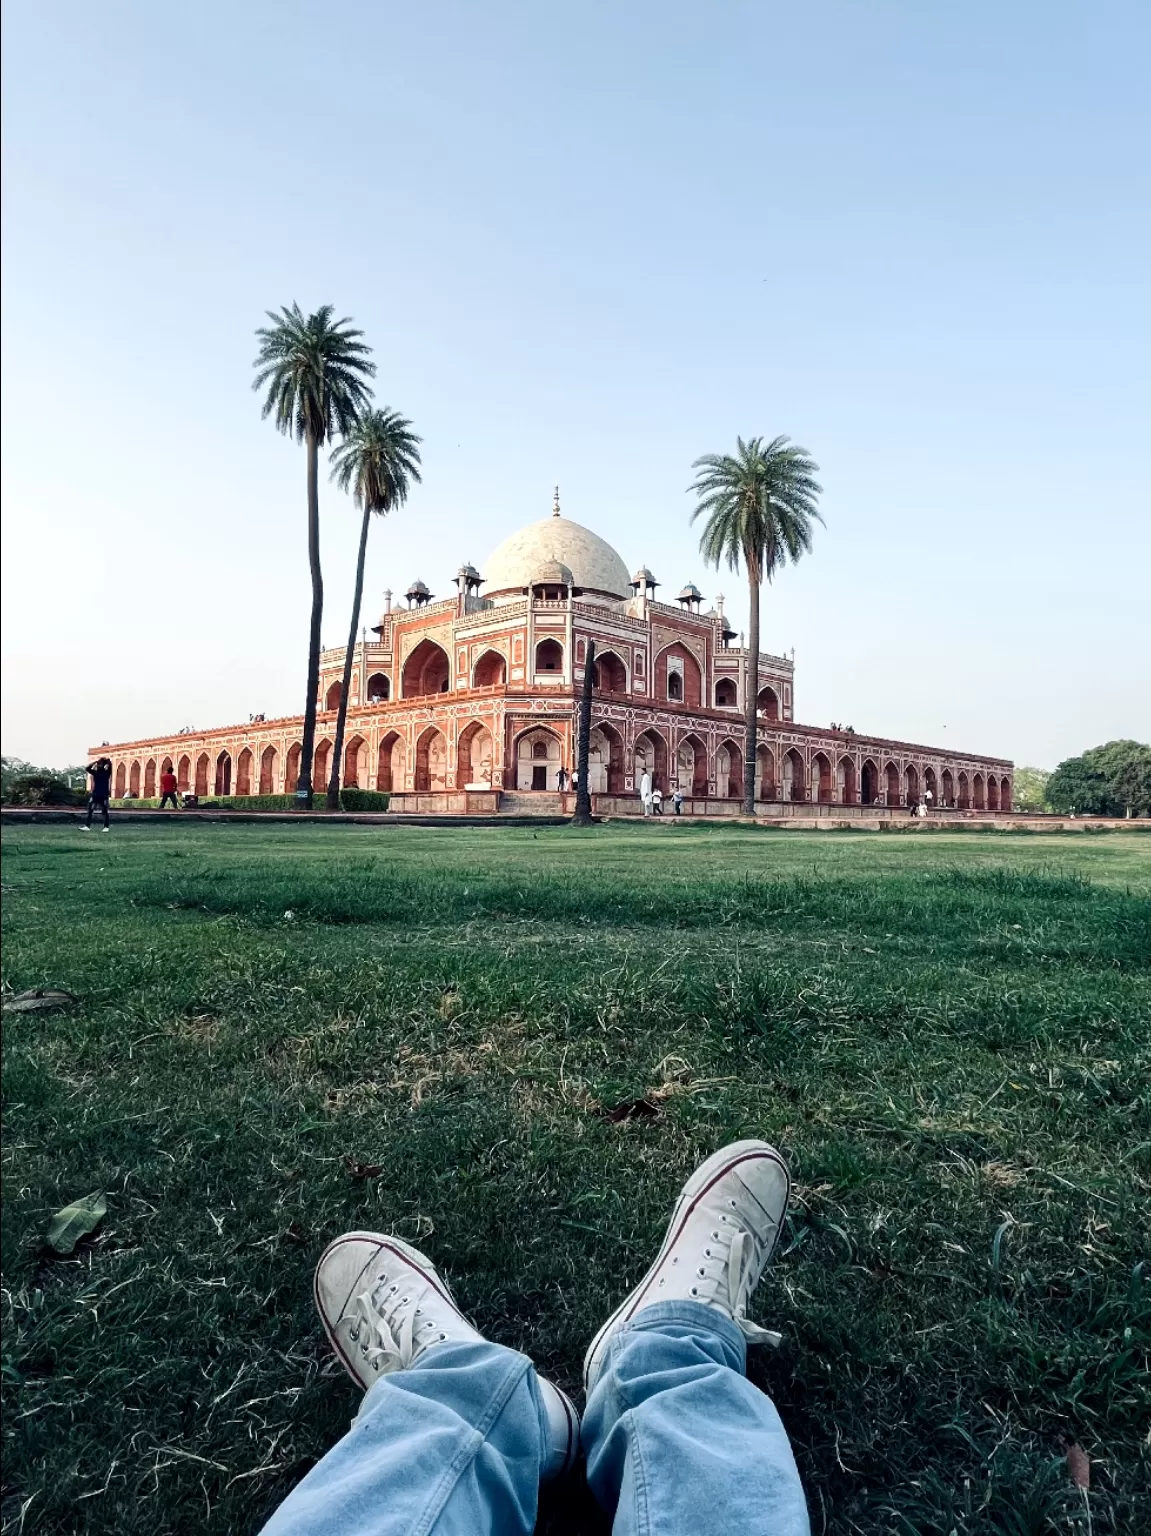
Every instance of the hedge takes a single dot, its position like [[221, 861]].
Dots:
[[350, 800]]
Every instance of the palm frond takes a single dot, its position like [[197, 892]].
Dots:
[[759, 505], [378, 460], [314, 372]]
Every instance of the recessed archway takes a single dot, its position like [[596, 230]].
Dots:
[[729, 771], [691, 766], [332, 697], [893, 793], [610, 673], [764, 773], [605, 761], [964, 792], [379, 688], [992, 792], [223, 785], [549, 656], [268, 770], [321, 764], [978, 793], [538, 759], [651, 757], [121, 780], [134, 781], [426, 671], [869, 782], [845, 787], [1005, 794], [726, 694], [677, 676], [390, 763], [911, 783], [150, 778], [794, 776], [930, 787], [768, 704], [947, 788], [292, 769], [203, 764], [184, 774], [244, 772], [431, 761], [491, 671], [475, 753], [355, 763], [821, 779]]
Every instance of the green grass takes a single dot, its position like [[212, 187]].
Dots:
[[949, 1037]]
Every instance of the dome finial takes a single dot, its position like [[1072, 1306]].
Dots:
[[556, 503]]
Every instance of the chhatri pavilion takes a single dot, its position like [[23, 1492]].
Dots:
[[470, 704]]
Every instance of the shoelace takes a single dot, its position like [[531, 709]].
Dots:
[[378, 1311], [742, 1264]]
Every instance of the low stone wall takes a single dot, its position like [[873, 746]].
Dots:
[[453, 802]]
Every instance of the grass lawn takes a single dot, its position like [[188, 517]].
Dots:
[[948, 1035]]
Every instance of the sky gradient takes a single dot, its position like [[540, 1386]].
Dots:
[[588, 244]]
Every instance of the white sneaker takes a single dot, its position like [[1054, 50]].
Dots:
[[722, 1232], [107, 829], [383, 1304], [84, 827]]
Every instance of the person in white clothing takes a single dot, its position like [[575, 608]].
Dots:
[[645, 793]]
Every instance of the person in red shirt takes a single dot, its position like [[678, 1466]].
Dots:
[[168, 789]]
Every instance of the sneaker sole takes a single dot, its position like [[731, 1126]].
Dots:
[[709, 1172], [396, 1245]]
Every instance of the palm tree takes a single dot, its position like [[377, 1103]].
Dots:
[[760, 504], [377, 461], [315, 370]]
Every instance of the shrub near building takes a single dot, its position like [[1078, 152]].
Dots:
[[1111, 780]]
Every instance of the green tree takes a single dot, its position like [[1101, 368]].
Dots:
[[1030, 787], [1111, 780], [1077, 785], [377, 461], [314, 370], [760, 505]]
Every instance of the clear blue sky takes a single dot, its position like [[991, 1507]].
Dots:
[[588, 244]]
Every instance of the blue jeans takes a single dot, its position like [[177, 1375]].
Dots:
[[678, 1443]]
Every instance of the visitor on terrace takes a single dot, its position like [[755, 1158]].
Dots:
[[455, 1434]]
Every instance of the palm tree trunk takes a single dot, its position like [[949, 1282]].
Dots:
[[342, 716], [308, 745], [582, 817], [751, 703]]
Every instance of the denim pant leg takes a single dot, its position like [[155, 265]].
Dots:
[[679, 1442], [451, 1447]]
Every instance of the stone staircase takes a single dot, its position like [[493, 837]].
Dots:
[[530, 802]]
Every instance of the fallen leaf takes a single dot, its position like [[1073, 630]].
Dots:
[[75, 1221], [631, 1109], [360, 1170], [295, 1234], [39, 997], [1079, 1466]]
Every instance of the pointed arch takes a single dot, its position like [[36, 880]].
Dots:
[[964, 791], [930, 786], [726, 694], [794, 776], [203, 764], [610, 673], [992, 792], [333, 695], [538, 757], [244, 772], [475, 755], [184, 774], [765, 788], [121, 780], [651, 757], [549, 656], [891, 772], [845, 781], [821, 779], [1005, 803], [379, 688], [678, 677], [605, 760], [268, 770], [223, 774], [355, 763], [426, 671], [134, 780], [321, 765], [947, 788], [150, 779], [869, 781], [911, 783], [431, 761], [729, 770], [390, 762], [490, 671], [768, 705], [292, 769], [978, 792], [691, 766]]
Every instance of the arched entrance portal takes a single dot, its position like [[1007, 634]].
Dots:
[[390, 763], [911, 780], [794, 778], [203, 763], [845, 781], [431, 761], [977, 792], [122, 780], [539, 758], [930, 787], [729, 771], [321, 766], [869, 782], [947, 788], [244, 772], [355, 763], [821, 777], [992, 792], [184, 774], [610, 673], [768, 704], [292, 770], [426, 670], [268, 771], [332, 698], [491, 671], [964, 792], [764, 773], [1005, 794], [379, 688], [893, 795], [475, 751], [223, 774], [605, 761], [150, 778], [651, 757], [691, 767], [134, 781]]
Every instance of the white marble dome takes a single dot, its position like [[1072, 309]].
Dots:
[[596, 568]]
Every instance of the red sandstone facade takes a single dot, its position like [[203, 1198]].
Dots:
[[470, 704]]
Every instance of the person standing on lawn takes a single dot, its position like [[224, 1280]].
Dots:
[[645, 793], [168, 789], [455, 1434], [100, 790]]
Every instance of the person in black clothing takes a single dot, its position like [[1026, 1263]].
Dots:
[[100, 772]]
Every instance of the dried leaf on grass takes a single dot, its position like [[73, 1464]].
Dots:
[[1079, 1465], [80, 1219], [630, 1109], [39, 998], [360, 1170]]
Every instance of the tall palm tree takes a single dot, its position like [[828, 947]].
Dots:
[[760, 504], [315, 370], [377, 461]]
